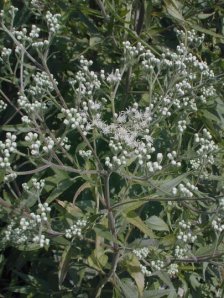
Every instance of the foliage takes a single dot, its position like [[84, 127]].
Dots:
[[111, 159]]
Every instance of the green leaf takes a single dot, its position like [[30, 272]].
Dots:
[[81, 189], [128, 288], [136, 221], [18, 128], [158, 293], [61, 187], [157, 224], [173, 8], [98, 259], [133, 267], [70, 208], [64, 264]]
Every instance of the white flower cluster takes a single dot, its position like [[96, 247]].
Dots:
[[76, 119], [37, 185], [49, 144], [53, 21], [182, 125], [35, 32], [184, 91], [31, 107], [10, 177], [64, 143], [34, 143], [6, 149], [206, 93], [172, 156], [6, 52], [157, 265], [42, 84], [76, 229], [46, 145], [192, 37], [114, 77], [145, 271], [132, 51], [185, 190], [85, 153], [218, 225], [185, 233], [30, 228], [207, 146], [14, 234], [3, 105], [25, 119], [180, 252], [86, 81], [141, 253], [42, 211], [173, 270], [41, 240]]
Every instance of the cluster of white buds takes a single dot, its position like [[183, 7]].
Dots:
[[3, 105], [6, 52], [76, 229], [35, 32], [207, 146], [24, 223], [153, 166], [218, 225], [40, 44], [33, 107], [41, 240], [32, 139], [10, 177], [85, 153], [86, 81], [53, 21], [37, 185], [185, 190], [173, 270], [25, 119], [115, 161], [145, 271], [141, 253], [76, 119], [206, 93], [108, 162], [180, 252], [149, 60], [185, 234], [22, 37], [172, 156], [6, 149], [182, 125], [41, 214], [192, 37], [15, 235], [42, 84], [64, 143], [49, 144], [93, 106], [114, 77], [157, 265], [132, 51]]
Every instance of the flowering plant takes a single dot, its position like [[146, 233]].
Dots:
[[116, 178]]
